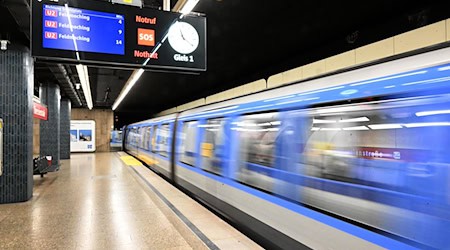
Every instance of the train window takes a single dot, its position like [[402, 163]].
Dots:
[[133, 137], [129, 136], [142, 137], [188, 149], [155, 129], [257, 135], [163, 140], [377, 144], [146, 138], [212, 147], [138, 137]]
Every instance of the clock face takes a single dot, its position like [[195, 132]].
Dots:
[[183, 38]]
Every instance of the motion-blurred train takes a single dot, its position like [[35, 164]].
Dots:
[[354, 160]]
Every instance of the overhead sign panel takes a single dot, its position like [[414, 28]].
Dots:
[[95, 32], [137, 3], [83, 30]]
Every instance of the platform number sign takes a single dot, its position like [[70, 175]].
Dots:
[[1, 147]]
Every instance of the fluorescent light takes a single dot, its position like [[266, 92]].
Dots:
[[315, 129], [209, 125], [68, 17], [444, 68], [389, 78], [294, 101], [426, 124], [130, 83], [433, 112], [334, 110], [385, 126], [278, 98], [188, 6], [356, 128], [321, 90], [274, 123], [318, 121], [437, 80], [221, 109], [244, 124], [85, 84], [358, 119], [330, 129]]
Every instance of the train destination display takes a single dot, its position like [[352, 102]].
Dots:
[[101, 33], [83, 30]]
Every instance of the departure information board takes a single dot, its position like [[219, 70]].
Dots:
[[83, 30], [102, 33]]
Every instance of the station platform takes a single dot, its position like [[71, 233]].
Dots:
[[111, 201]]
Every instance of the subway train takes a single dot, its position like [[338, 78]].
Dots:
[[357, 159]]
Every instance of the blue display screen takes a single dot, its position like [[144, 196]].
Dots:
[[75, 29]]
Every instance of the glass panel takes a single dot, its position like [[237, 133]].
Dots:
[[257, 135], [163, 140], [375, 144], [142, 137], [133, 137], [155, 129], [212, 148], [145, 137], [188, 146]]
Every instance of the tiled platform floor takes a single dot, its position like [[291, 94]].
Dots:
[[97, 202]]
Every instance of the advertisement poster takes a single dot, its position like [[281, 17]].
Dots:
[[85, 135], [73, 135], [82, 136]]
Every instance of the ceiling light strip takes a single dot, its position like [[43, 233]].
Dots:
[[130, 83], [187, 8], [83, 74]]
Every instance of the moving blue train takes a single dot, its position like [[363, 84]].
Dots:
[[355, 160]]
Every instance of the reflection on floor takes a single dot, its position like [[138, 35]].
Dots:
[[97, 202]]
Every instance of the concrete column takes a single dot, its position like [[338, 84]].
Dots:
[[16, 103], [50, 129], [65, 129]]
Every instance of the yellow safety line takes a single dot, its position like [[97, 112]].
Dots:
[[130, 160], [148, 160]]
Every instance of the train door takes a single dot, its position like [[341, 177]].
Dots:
[[257, 136], [288, 145], [214, 141]]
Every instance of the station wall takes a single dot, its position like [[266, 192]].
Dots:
[[103, 124], [433, 34]]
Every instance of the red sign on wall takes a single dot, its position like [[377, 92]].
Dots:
[[40, 111]]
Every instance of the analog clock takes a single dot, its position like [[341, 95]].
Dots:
[[183, 38]]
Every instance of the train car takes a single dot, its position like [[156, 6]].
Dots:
[[355, 160]]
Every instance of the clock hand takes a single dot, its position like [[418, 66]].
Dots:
[[182, 36]]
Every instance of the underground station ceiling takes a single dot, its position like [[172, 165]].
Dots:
[[246, 41]]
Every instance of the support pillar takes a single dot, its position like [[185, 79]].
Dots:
[[49, 94], [16, 104], [65, 129]]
